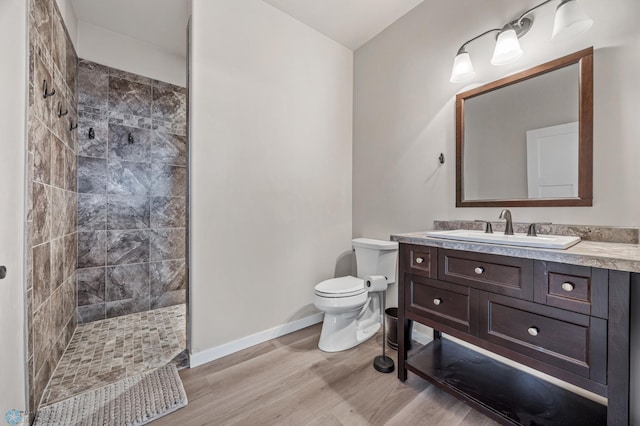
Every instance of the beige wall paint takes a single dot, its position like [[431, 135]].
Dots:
[[404, 114], [12, 187], [129, 54], [271, 114]]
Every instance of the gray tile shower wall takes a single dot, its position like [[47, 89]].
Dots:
[[51, 195], [132, 183]]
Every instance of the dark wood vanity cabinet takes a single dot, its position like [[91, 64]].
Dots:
[[550, 316]]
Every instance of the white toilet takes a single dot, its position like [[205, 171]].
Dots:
[[351, 314]]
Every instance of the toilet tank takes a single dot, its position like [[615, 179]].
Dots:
[[376, 257]]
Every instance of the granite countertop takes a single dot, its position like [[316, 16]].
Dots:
[[606, 255]]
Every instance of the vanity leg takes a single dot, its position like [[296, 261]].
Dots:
[[437, 334], [618, 365], [401, 332]]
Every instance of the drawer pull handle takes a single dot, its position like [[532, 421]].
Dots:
[[479, 270], [437, 301], [568, 287], [419, 260], [533, 331]]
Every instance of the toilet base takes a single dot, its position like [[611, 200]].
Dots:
[[340, 332]]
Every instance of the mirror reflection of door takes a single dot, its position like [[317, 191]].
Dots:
[[552, 161]]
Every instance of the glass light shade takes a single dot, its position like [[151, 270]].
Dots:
[[570, 20], [462, 68], [507, 48]]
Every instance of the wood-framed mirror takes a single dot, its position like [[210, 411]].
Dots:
[[526, 140]]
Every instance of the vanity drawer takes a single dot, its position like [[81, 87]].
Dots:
[[420, 260], [510, 276], [576, 288], [564, 339], [445, 303]]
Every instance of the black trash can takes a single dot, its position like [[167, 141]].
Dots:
[[391, 315]]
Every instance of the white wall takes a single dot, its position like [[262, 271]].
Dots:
[[106, 47], [271, 115], [404, 113], [70, 20], [12, 187]]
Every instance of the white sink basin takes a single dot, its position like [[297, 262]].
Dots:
[[541, 241]]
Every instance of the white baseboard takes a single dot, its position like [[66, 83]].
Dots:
[[214, 353]]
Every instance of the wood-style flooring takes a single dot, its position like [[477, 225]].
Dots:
[[289, 381]]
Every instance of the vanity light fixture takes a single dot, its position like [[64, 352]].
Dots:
[[570, 20]]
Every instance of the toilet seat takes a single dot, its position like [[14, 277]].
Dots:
[[340, 287]]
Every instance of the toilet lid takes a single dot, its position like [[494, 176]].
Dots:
[[340, 287]]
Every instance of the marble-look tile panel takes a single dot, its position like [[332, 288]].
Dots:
[[71, 170], [92, 175], [127, 212], [91, 286], [163, 86], [40, 145], [96, 147], [43, 373], [167, 283], [41, 274], [93, 85], [58, 167], [59, 210], [59, 44], [123, 119], [90, 313], [136, 78], [60, 124], [119, 308], [169, 181], [71, 65], [30, 314], [175, 127], [169, 106], [43, 334], [167, 244], [42, 106], [127, 282], [72, 135], [168, 148], [41, 214], [92, 212], [122, 148], [57, 263], [70, 254], [92, 249], [125, 247], [29, 195], [128, 177], [168, 212], [129, 97], [41, 14], [71, 212]]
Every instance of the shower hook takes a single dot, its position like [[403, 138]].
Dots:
[[60, 113], [130, 138], [46, 90], [441, 158], [72, 126], [92, 133]]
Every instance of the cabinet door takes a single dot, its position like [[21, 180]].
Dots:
[[576, 288], [436, 303], [564, 339], [511, 276], [419, 260]]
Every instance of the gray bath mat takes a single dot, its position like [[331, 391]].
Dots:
[[131, 401]]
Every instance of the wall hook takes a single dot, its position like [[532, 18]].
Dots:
[[130, 138], [441, 158], [72, 126], [92, 133], [45, 89], [60, 113]]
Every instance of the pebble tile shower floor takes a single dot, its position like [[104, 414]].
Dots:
[[105, 351]]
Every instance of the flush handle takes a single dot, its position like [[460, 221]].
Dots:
[[437, 301], [419, 260], [479, 270], [533, 331], [568, 287]]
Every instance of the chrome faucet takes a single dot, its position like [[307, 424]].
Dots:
[[506, 214]]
